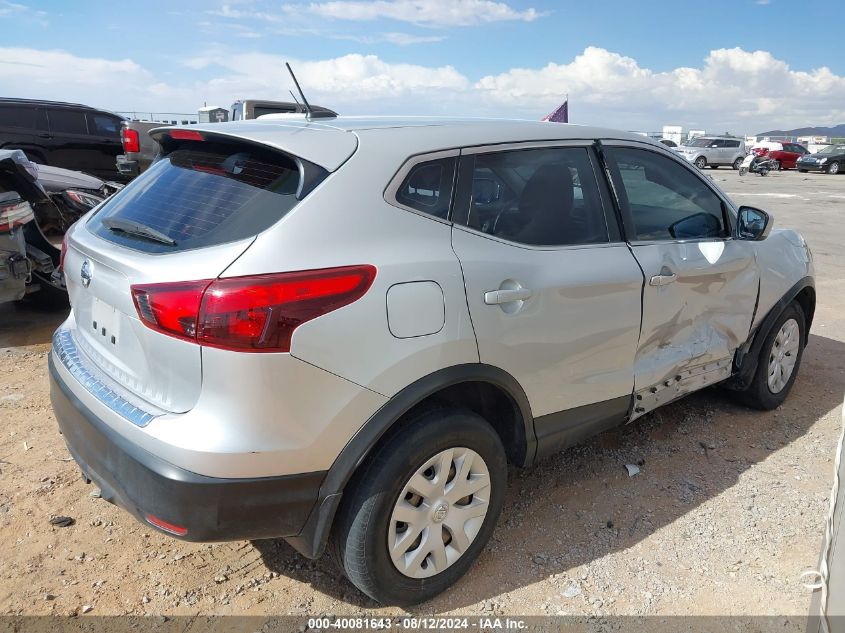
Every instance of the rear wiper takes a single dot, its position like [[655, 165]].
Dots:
[[131, 227]]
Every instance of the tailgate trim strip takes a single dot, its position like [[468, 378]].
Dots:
[[67, 352]]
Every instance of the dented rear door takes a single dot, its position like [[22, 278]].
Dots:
[[700, 286]]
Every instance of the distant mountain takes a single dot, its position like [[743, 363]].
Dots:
[[838, 130]]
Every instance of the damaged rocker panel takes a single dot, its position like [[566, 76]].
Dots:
[[681, 384]]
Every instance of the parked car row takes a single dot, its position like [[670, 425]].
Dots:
[[717, 151]]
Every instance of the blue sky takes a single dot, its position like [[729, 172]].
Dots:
[[739, 64]]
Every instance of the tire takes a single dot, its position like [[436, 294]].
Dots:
[[700, 162], [833, 168], [737, 163], [760, 394], [776, 166], [366, 521], [743, 171], [764, 171]]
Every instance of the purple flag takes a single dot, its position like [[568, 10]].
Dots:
[[561, 115]]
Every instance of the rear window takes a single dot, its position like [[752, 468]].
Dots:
[[103, 125], [17, 116], [203, 194]]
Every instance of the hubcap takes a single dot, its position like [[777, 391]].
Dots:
[[834, 168], [439, 512], [783, 355]]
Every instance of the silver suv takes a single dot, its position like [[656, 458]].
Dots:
[[714, 152], [343, 331]]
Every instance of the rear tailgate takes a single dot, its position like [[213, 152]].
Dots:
[[160, 369], [200, 208]]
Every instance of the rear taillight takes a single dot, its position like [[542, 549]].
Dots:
[[15, 213], [251, 314], [131, 140]]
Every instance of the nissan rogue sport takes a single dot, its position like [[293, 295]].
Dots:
[[342, 331]]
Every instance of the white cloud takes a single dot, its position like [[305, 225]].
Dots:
[[423, 12], [405, 39], [732, 90], [9, 8], [735, 88]]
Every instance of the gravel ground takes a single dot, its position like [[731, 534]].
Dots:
[[725, 514]]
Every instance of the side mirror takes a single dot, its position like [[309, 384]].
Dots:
[[753, 224], [696, 226]]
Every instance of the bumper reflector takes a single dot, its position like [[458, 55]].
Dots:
[[167, 527]]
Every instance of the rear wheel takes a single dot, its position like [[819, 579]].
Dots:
[[422, 509], [700, 162], [776, 166], [780, 358], [737, 163], [833, 168]]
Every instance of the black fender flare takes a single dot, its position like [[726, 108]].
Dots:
[[312, 539], [747, 356]]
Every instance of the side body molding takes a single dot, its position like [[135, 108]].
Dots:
[[311, 541]]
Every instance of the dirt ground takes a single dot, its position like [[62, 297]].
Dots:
[[725, 514]]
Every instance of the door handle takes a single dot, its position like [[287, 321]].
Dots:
[[663, 280], [497, 297]]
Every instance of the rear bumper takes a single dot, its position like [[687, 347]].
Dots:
[[127, 166], [209, 508]]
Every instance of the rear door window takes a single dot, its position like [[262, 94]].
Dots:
[[67, 122], [537, 197], [17, 116], [202, 194]]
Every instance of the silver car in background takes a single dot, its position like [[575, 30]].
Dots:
[[341, 331], [714, 151]]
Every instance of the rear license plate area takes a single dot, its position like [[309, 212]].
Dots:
[[105, 323]]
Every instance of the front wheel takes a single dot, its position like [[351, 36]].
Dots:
[[423, 507], [743, 171], [780, 358], [833, 168], [700, 162]]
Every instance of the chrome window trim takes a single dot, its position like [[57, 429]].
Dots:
[[65, 348]]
